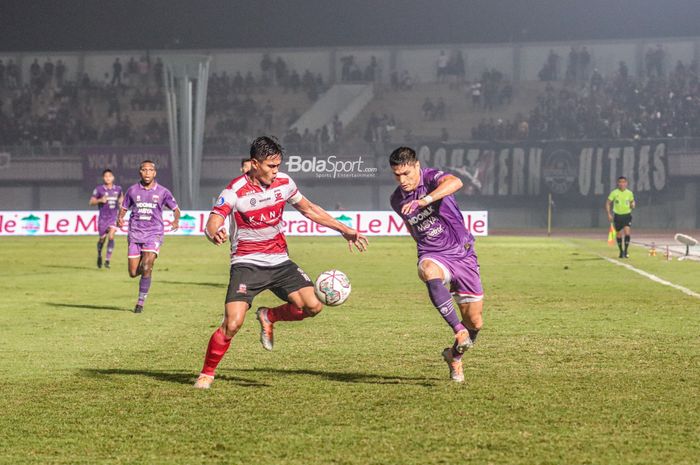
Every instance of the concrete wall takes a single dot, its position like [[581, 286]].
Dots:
[[17, 198], [57, 197]]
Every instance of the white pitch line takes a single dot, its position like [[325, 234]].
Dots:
[[653, 277]]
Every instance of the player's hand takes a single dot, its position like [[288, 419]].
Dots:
[[120, 222], [220, 237], [174, 226], [610, 217], [413, 205], [102, 199], [355, 238]]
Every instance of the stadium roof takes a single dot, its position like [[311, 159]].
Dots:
[[160, 24]]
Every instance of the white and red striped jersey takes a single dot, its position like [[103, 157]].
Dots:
[[255, 218]]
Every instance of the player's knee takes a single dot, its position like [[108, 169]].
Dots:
[[147, 268], [312, 309], [133, 273], [232, 326], [428, 270]]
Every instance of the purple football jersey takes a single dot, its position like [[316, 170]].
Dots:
[[439, 228], [146, 206], [108, 211]]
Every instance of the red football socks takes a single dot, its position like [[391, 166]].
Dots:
[[218, 345], [286, 312]]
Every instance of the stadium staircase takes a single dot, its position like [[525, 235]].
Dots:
[[344, 100]]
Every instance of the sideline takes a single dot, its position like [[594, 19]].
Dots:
[[653, 277]]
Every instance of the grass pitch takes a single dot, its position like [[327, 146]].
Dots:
[[580, 361]]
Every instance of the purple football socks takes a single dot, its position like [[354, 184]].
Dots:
[[144, 285], [442, 299]]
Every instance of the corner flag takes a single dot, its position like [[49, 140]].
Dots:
[[612, 235]]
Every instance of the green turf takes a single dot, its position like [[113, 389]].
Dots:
[[580, 362], [684, 273]]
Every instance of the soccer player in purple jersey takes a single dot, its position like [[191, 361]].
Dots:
[[146, 200], [108, 197], [446, 257]]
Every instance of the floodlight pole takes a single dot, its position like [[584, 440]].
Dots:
[[186, 78]]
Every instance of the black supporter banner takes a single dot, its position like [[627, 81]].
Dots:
[[581, 168]]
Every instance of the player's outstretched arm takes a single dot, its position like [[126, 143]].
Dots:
[[447, 185], [215, 229], [321, 216]]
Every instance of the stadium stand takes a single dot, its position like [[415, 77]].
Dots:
[[126, 106]]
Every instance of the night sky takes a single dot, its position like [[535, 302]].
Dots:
[[44, 25]]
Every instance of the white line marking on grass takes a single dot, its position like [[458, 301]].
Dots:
[[653, 277]]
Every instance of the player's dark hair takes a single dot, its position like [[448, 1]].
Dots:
[[106, 171], [265, 147], [402, 156], [621, 178], [147, 161], [243, 162]]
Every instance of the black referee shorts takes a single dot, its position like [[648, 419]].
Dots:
[[248, 280], [620, 221]]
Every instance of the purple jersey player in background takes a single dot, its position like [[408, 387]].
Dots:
[[108, 198], [446, 257], [146, 201]]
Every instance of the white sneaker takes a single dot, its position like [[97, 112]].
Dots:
[[463, 341], [456, 372], [267, 337], [203, 381]]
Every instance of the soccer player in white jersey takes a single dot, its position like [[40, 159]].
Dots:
[[254, 203]]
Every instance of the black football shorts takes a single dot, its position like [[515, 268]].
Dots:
[[620, 221], [248, 280]]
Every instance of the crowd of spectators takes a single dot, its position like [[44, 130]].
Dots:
[[578, 66], [50, 104], [323, 138], [491, 91], [237, 105], [616, 107], [48, 108], [379, 128], [452, 65], [352, 71], [400, 81]]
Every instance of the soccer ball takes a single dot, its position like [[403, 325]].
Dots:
[[332, 287]]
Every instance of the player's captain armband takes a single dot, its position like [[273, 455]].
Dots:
[[296, 198]]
